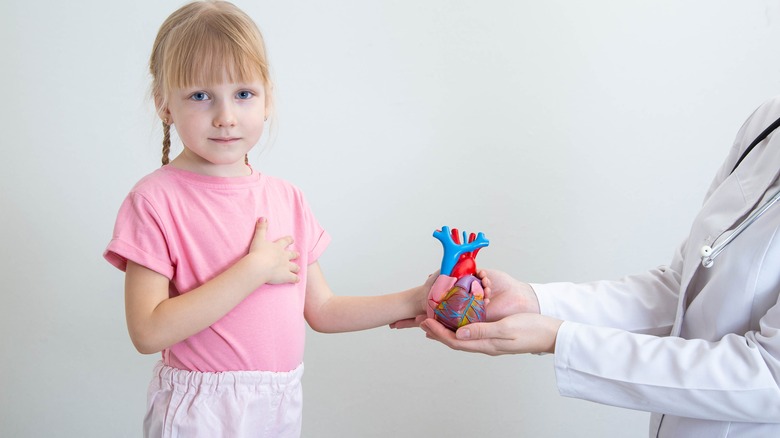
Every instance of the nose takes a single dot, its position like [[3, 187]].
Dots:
[[225, 116]]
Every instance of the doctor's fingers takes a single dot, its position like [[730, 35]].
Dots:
[[434, 330], [516, 334], [494, 338]]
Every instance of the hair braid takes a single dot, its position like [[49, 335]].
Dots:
[[166, 143]]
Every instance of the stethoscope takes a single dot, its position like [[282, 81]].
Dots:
[[709, 253]]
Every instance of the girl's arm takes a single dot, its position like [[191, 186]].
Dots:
[[156, 321], [329, 313]]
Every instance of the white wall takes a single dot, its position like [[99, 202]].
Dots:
[[579, 136]]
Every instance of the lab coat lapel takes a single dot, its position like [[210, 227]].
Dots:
[[733, 200]]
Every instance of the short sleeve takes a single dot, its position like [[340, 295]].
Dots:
[[139, 235], [318, 238], [321, 242]]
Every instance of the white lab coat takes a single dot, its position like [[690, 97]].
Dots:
[[700, 348]]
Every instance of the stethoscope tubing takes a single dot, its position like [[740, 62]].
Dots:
[[708, 254]]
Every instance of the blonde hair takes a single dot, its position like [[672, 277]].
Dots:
[[206, 42]]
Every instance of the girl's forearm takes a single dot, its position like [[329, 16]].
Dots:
[[352, 313]]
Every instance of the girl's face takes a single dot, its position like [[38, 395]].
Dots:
[[218, 125]]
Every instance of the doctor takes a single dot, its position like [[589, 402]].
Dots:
[[697, 346]]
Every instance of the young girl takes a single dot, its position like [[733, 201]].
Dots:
[[221, 261]]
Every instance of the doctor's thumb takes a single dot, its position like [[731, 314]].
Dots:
[[471, 331]]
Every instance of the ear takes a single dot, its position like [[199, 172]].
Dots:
[[162, 110], [269, 102]]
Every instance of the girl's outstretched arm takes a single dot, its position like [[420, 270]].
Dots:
[[156, 321], [329, 313]]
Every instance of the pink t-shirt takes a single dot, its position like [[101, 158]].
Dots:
[[190, 228]]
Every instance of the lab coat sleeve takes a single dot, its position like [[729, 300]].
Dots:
[[733, 379], [642, 303]]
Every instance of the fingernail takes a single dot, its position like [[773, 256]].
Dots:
[[463, 334]]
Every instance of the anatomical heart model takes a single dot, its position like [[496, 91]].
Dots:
[[457, 297]]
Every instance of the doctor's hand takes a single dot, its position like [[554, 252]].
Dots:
[[507, 295], [515, 334]]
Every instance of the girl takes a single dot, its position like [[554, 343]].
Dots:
[[221, 261]]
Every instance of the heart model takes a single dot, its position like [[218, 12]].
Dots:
[[457, 297]]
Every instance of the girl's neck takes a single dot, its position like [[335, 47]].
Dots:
[[231, 170]]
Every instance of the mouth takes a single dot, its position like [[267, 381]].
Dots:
[[225, 140]]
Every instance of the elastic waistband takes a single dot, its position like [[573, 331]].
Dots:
[[185, 380]]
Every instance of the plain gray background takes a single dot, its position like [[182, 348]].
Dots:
[[579, 136]]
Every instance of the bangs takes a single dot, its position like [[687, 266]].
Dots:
[[214, 49]]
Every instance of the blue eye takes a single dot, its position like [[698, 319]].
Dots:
[[244, 94], [199, 96]]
